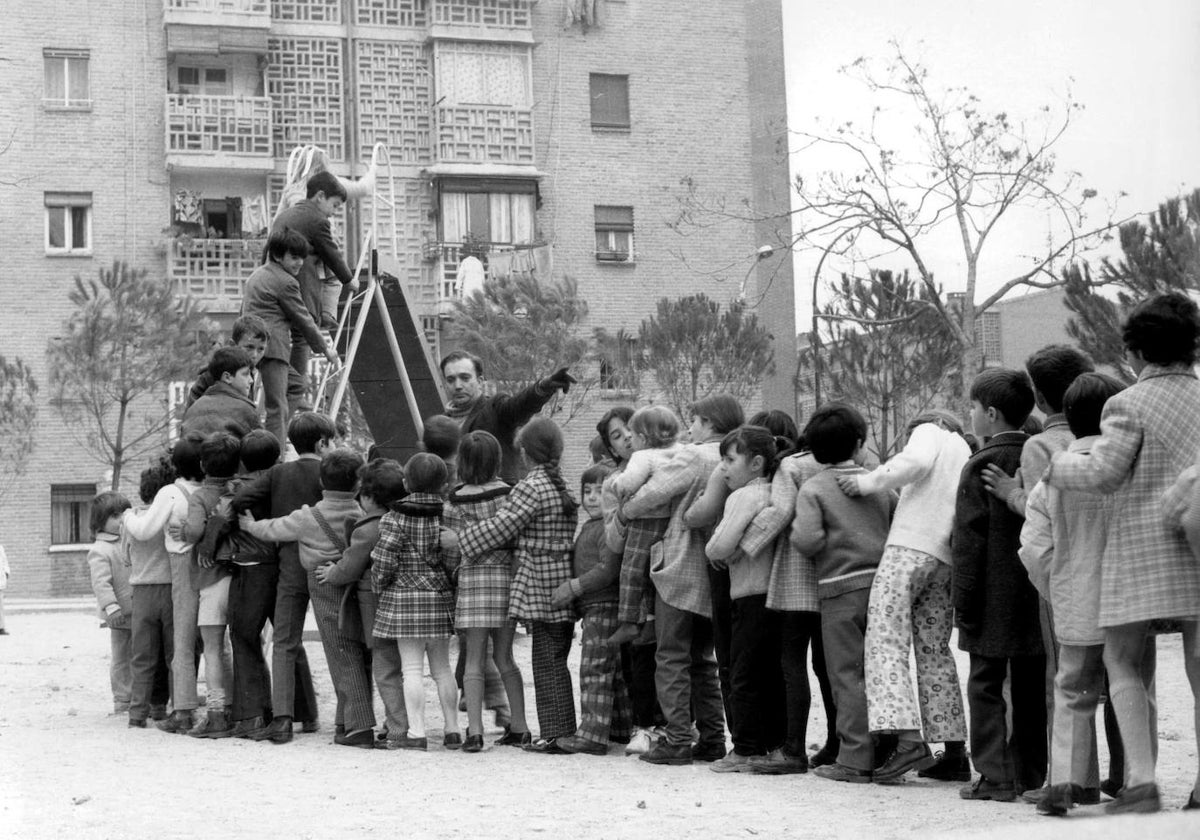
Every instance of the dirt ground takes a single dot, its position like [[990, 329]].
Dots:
[[68, 769]]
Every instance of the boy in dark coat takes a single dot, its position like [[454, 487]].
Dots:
[[226, 405], [996, 607]]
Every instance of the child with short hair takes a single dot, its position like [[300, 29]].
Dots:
[[1063, 536], [273, 293], [757, 694], [226, 405], [604, 705], [381, 485], [655, 431], [165, 516], [1149, 435], [539, 516], [995, 605], [319, 532], [845, 538], [411, 576], [484, 581], [249, 332], [285, 488], [441, 436], [110, 585]]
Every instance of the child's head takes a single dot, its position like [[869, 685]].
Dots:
[[747, 453], [260, 450], [250, 334], [1001, 399], [382, 481], [1084, 401], [425, 473], [158, 475], [653, 427], [941, 419], [232, 365], [185, 457], [782, 426], [289, 248], [478, 457], [339, 470], [325, 182], [718, 414], [834, 433], [1163, 330], [589, 488], [308, 430], [441, 437], [105, 507], [541, 444], [219, 454], [1052, 370]]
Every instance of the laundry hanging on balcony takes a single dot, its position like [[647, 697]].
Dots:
[[254, 216], [582, 12], [189, 207], [470, 277]]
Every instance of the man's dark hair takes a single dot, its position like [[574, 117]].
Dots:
[[287, 241], [458, 356], [339, 470], [1084, 401], [1053, 369], [1006, 390], [219, 454], [328, 183], [834, 432], [1164, 329], [228, 360], [309, 428]]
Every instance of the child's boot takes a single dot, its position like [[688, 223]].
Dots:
[[218, 726], [179, 722]]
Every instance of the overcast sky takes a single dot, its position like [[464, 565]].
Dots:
[[1135, 66]]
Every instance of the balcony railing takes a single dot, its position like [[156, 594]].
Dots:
[[225, 126], [214, 271], [491, 14], [256, 13], [484, 134]]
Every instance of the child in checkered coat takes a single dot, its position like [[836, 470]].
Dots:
[[413, 578], [484, 581], [539, 516], [604, 702]]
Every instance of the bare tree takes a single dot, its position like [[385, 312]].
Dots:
[[128, 337]]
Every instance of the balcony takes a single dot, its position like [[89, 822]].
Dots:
[[217, 13], [214, 271], [484, 134], [484, 20], [219, 132]]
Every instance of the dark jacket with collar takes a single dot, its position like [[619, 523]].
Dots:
[[502, 415], [221, 409], [996, 607], [304, 218]]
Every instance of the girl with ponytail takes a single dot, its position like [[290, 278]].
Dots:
[[538, 517]]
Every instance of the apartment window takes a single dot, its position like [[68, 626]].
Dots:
[[67, 83], [68, 223], [495, 217], [610, 101], [207, 81], [70, 508], [614, 234]]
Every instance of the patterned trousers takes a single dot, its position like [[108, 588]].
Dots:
[[604, 706], [345, 657], [551, 679], [910, 606], [637, 593]]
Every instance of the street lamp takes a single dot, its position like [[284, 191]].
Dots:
[[763, 252]]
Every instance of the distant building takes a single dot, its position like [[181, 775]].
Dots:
[[557, 133]]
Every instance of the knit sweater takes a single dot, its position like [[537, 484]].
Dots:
[[928, 470], [170, 505], [148, 560], [844, 535], [594, 567], [337, 506], [749, 574]]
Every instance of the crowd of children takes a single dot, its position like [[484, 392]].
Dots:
[[702, 571]]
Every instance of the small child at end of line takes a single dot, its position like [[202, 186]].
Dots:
[[1062, 542], [655, 430], [995, 605], [845, 537], [606, 712], [411, 576], [110, 583]]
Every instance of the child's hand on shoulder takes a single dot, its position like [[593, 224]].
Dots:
[[562, 596], [849, 485], [449, 540]]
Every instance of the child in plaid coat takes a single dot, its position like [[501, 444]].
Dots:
[[604, 702], [411, 575], [484, 581], [539, 515]]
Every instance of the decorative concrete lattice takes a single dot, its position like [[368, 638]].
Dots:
[[304, 81], [505, 14], [412, 14], [394, 99], [480, 133], [214, 271], [307, 11], [236, 125]]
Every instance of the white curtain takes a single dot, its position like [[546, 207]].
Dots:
[[454, 217]]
